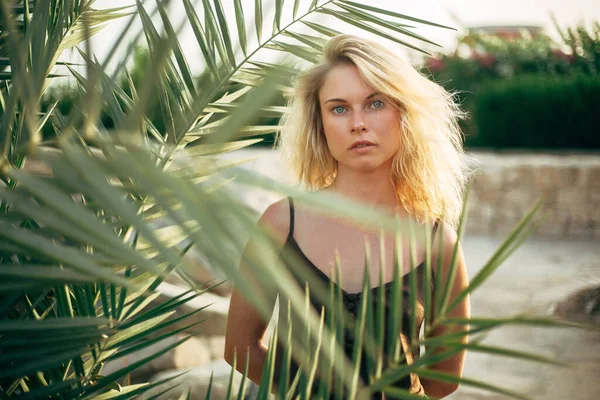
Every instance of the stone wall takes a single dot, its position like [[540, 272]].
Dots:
[[508, 185], [505, 186], [503, 189]]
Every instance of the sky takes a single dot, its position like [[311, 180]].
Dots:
[[455, 13]]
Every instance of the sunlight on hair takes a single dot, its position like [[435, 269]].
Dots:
[[429, 171]]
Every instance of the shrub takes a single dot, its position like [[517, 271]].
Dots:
[[485, 65], [537, 112]]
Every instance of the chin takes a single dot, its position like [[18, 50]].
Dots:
[[366, 167]]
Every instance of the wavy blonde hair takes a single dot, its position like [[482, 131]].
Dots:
[[430, 169]]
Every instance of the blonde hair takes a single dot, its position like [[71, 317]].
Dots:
[[430, 169]]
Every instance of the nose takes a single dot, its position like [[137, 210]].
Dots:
[[358, 122]]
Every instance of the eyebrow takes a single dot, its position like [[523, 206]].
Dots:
[[374, 94]]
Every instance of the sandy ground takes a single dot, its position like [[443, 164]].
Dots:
[[539, 274]]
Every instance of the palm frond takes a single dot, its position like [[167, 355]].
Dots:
[[82, 255]]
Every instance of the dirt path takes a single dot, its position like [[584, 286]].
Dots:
[[532, 280]]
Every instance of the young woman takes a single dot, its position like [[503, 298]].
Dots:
[[366, 125]]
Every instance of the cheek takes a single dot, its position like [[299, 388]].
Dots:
[[390, 127], [333, 127], [388, 124]]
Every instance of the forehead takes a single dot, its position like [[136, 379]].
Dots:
[[344, 81]]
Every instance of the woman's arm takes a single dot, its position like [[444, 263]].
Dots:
[[244, 336], [452, 365], [245, 325]]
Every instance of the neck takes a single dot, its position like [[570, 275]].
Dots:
[[373, 188]]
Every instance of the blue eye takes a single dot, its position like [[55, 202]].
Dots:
[[377, 104], [338, 109]]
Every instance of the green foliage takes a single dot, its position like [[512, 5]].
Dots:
[[484, 60], [87, 238], [538, 112], [481, 56], [66, 96], [584, 46]]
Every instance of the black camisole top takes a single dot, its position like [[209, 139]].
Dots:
[[351, 301]]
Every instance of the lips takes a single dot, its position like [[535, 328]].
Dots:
[[361, 143]]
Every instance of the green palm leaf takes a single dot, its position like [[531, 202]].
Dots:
[[258, 18], [81, 256], [241, 24]]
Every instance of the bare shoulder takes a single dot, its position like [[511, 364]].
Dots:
[[444, 232], [276, 219], [447, 234]]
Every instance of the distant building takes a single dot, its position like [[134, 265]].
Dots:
[[509, 31]]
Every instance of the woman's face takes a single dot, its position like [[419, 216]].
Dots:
[[352, 111]]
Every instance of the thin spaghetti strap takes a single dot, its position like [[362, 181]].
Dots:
[[291, 201], [433, 232]]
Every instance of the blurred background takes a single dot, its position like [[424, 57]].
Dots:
[[525, 72], [528, 74]]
